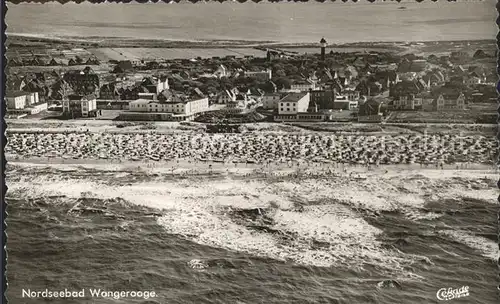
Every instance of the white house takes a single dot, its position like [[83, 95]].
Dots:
[[185, 108], [158, 84], [139, 105], [89, 105], [294, 103], [162, 84], [16, 100], [80, 106], [26, 102], [32, 99]]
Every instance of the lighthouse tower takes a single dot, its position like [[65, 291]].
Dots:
[[323, 44]]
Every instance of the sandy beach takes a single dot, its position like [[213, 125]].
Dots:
[[255, 147]]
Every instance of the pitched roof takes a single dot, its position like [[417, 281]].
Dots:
[[293, 97], [451, 95], [422, 83], [16, 93]]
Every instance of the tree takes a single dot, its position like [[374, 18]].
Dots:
[[278, 66], [175, 84], [280, 73], [283, 83], [226, 83], [267, 87], [290, 69]]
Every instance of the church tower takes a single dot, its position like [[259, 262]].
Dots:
[[323, 44]]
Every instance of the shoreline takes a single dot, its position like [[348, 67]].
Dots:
[[190, 165]]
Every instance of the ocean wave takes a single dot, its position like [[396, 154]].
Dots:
[[309, 222], [486, 247]]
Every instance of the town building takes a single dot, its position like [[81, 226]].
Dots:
[[369, 88], [303, 86], [139, 105], [255, 94], [424, 101], [155, 84], [260, 75], [434, 78], [324, 98], [226, 97], [75, 106], [297, 107], [351, 94], [477, 71], [474, 80], [174, 108], [452, 101], [240, 102], [149, 96], [109, 91], [82, 82], [342, 102], [112, 104], [405, 87], [294, 103], [411, 102], [19, 102], [271, 100]]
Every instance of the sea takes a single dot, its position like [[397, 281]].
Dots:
[[217, 238], [287, 22]]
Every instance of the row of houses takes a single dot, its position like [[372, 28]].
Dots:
[[37, 61], [125, 89], [326, 98], [428, 102]]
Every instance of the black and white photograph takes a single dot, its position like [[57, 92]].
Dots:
[[198, 152]]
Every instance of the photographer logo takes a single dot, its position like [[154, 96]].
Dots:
[[446, 294]]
